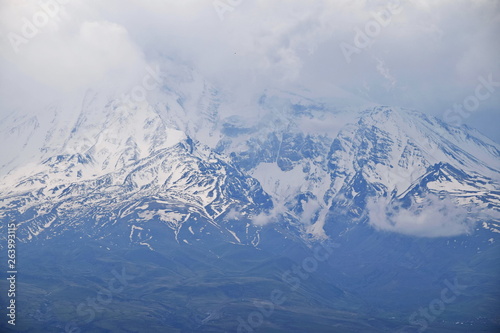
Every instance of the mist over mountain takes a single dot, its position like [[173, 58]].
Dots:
[[238, 166], [181, 172]]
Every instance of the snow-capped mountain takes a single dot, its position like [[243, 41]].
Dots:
[[383, 152], [119, 168], [405, 156], [198, 195], [185, 162]]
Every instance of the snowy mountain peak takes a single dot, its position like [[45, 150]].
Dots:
[[306, 164], [403, 154]]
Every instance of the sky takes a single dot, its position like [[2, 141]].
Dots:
[[431, 56]]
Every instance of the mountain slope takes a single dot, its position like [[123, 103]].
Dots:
[[336, 171], [387, 158], [131, 168]]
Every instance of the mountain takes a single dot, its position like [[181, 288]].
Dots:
[[131, 168], [209, 196], [389, 154]]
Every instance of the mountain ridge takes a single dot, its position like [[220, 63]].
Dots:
[[307, 178]]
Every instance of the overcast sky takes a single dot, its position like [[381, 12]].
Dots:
[[427, 55]]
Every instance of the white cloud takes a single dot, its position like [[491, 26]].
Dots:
[[272, 216], [431, 53], [432, 217], [67, 52]]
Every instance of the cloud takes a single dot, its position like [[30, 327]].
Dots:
[[384, 71], [261, 219], [272, 216], [430, 53], [57, 53], [432, 217]]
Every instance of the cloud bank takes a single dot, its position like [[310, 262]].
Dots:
[[425, 55], [433, 217]]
